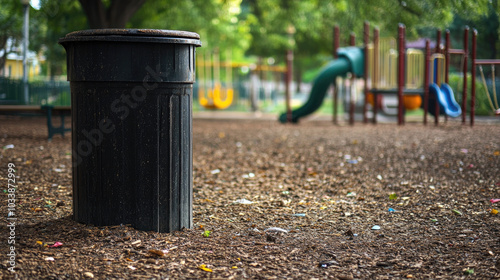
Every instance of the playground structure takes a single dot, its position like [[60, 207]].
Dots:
[[418, 78], [480, 63]]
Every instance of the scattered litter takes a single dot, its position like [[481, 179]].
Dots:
[[469, 271], [131, 267], [434, 220], [49, 259], [392, 210], [495, 200], [88, 275], [353, 161], [243, 201], [276, 229], [347, 157], [249, 175], [325, 264], [159, 253], [238, 144], [206, 233], [58, 170], [351, 194], [136, 243], [215, 171], [494, 211], [393, 196], [375, 227], [204, 268], [299, 215], [10, 146], [456, 212], [464, 151], [379, 177], [55, 245]]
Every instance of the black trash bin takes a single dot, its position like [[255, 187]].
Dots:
[[131, 100]]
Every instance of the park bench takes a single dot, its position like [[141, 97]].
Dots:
[[47, 110]]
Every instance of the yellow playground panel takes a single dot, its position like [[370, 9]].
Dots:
[[383, 70]]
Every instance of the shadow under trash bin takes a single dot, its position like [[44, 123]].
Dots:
[[131, 100]]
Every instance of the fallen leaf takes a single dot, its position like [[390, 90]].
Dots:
[[204, 268]]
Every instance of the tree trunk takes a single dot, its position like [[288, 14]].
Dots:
[[116, 15]]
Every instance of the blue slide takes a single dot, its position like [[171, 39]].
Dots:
[[446, 100]]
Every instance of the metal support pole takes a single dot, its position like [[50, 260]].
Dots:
[[25, 52], [375, 75], [288, 80], [426, 79], [352, 43], [473, 74], [401, 69], [336, 45], [447, 57], [366, 39], [464, 92]]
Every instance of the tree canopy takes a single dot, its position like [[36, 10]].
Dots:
[[261, 28]]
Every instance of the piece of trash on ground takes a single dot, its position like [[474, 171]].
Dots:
[[10, 146], [159, 253], [495, 200], [56, 244], [249, 175], [204, 268], [456, 212], [375, 227], [215, 171], [299, 215], [494, 211], [325, 264], [392, 210], [243, 201], [276, 229]]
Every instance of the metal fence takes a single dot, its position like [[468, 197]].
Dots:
[[40, 92]]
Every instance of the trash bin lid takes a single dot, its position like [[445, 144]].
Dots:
[[134, 35]]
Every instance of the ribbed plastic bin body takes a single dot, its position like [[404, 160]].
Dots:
[[131, 100]]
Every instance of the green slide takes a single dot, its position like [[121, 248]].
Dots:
[[349, 59]]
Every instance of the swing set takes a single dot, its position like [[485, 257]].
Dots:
[[212, 94], [480, 62]]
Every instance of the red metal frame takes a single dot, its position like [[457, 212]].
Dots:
[[401, 71], [465, 54], [352, 43], [426, 79], [366, 39], [376, 38], [336, 45], [473, 74]]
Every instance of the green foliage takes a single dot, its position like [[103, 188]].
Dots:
[[482, 107]]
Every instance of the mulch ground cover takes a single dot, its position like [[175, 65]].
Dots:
[[272, 201]]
